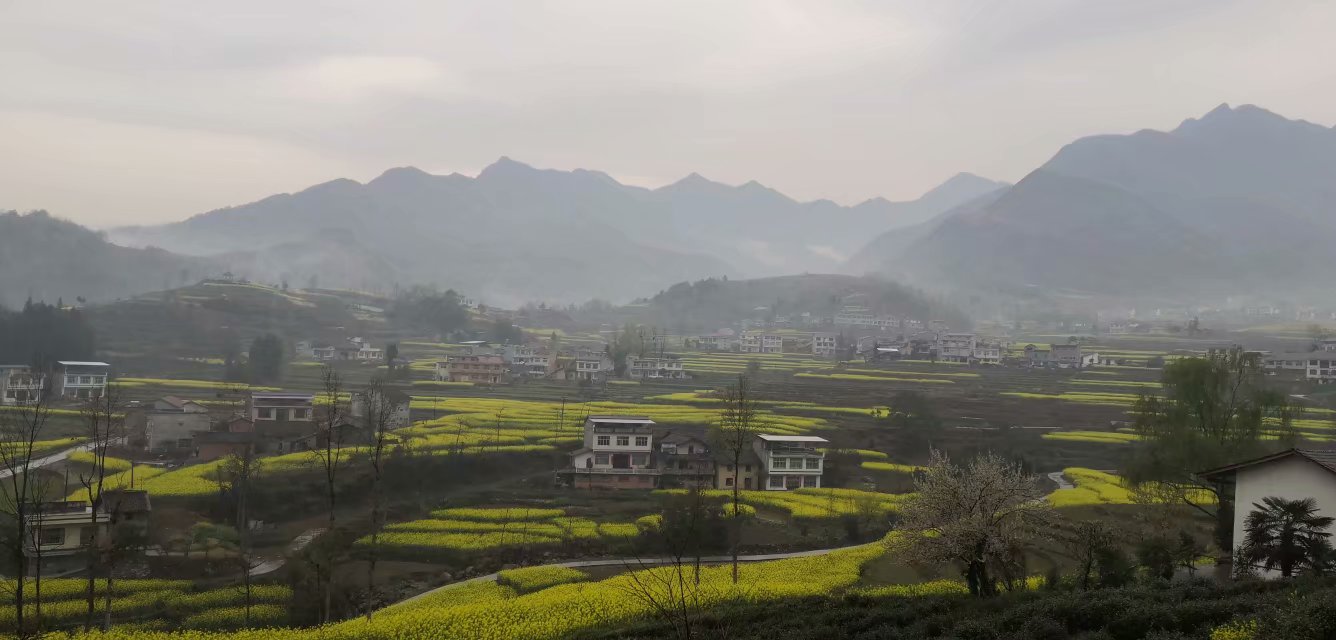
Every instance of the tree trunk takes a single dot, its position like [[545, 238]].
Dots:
[[106, 599], [736, 528]]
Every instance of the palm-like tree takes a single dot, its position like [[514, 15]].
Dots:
[[1283, 534]]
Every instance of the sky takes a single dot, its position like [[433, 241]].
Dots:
[[152, 111]]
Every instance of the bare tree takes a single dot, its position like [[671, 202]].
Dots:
[[738, 425], [20, 430], [236, 474], [379, 412], [102, 423], [978, 516], [330, 455], [668, 582]]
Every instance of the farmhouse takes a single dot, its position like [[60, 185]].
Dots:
[[1321, 367], [759, 342], [76, 380], [655, 367], [280, 407], [480, 368], [987, 353], [956, 347], [748, 475], [825, 344], [354, 349], [1294, 474], [718, 341], [528, 361], [1287, 361], [398, 407], [20, 384], [168, 424], [593, 366], [684, 460], [790, 462], [616, 454], [61, 531]]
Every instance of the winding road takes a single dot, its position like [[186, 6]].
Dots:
[[631, 563], [49, 459]]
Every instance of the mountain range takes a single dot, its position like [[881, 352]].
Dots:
[[516, 233], [1238, 200], [1241, 199]]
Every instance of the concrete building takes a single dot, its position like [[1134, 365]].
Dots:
[[1321, 367], [1293, 475], [825, 344], [684, 460], [399, 408], [20, 385], [655, 368], [280, 407], [1287, 361], [478, 369], [759, 342], [790, 462], [616, 454], [168, 425], [78, 380], [956, 347]]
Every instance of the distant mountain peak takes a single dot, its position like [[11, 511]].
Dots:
[[401, 175], [504, 166], [1244, 116]]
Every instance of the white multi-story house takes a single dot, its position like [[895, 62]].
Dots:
[[825, 344], [1321, 367], [20, 384], [616, 454], [480, 368], [655, 367], [853, 316], [987, 353], [758, 342], [717, 342], [956, 347], [790, 462], [354, 349], [1287, 361], [77, 380], [590, 366], [530, 361]]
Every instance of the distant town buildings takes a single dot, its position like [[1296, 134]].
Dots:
[[20, 385]]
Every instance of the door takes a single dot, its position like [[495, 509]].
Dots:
[[621, 461]]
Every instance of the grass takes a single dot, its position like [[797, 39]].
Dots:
[[188, 384], [876, 465]]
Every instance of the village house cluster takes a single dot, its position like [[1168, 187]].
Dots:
[[631, 452]]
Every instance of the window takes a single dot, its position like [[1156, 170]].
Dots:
[[640, 460], [601, 459], [99, 379], [602, 441], [776, 482], [779, 463], [728, 482], [52, 536], [668, 448], [85, 379], [730, 468], [746, 483], [813, 463], [266, 413], [745, 467], [623, 441], [71, 379], [642, 441]]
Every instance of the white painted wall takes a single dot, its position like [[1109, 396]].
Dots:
[[1291, 478]]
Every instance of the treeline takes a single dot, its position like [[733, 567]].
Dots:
[[40, 333], [444, 314], [706, 305]]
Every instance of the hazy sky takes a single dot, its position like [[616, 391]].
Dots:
[[148, 111]]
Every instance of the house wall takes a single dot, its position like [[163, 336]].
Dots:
[[163, 430], [1291, 478]]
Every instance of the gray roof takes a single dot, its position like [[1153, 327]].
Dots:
[[1325, 458]]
